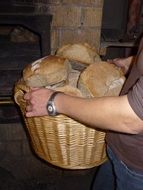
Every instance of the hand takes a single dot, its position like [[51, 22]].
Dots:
[[124, 63], [36, 101]]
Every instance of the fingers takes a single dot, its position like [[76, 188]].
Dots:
[[36, 101], [29, 106], [29, 109], [29, 114], [27, 96], [119, 62], [110, 60], [113, 60], [34, 88], [33, 113]]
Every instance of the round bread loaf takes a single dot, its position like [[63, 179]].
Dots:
[[101, 79], [70, 90], [46, 71], [83, 53]]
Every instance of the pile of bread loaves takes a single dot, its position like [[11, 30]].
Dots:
[[75, 69]]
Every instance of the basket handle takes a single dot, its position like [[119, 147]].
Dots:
[[18, 96], [20, 90]]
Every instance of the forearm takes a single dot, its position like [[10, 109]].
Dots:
[[109, 113]]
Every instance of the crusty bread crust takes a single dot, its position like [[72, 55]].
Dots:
[[46, 71], [70, 90], [83, 53], [102, 79]]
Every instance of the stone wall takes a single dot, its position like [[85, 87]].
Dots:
[[75, 21]]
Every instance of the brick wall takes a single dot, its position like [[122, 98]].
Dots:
[[75, 21]]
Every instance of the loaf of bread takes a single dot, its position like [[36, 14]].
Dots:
[[101, 79], [70, 90], [83, 53], [46, 71]]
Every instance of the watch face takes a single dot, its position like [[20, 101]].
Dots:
[[50, 108]]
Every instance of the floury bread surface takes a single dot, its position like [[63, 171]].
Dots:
[[70, 90], [101, 79], [46, 71], [83, 53]]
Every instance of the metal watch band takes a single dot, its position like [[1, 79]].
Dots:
[[51, 108]]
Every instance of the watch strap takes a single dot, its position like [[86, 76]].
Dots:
[[51, 108]]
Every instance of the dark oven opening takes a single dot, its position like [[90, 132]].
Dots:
[[24, 37]]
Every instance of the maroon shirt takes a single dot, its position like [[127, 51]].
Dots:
[[129, 148]]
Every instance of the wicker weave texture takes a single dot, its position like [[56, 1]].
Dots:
[[63, 141]]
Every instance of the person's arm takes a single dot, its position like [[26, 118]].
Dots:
[[109, 113]]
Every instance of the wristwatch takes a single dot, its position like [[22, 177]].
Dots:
[[51, 108]]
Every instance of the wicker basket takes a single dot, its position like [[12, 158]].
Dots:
[[63, 141]]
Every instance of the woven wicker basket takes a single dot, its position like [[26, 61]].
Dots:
[[63, 141]]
